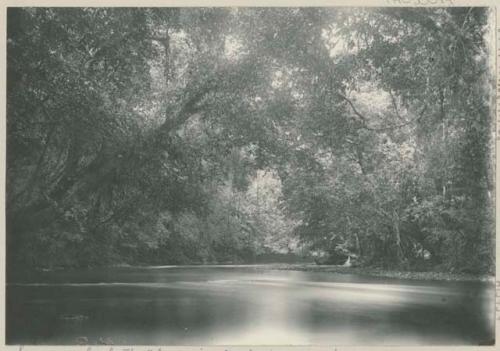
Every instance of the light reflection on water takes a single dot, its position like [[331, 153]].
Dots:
[[244, 305]]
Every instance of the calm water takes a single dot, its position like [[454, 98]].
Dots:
[[242, 305]]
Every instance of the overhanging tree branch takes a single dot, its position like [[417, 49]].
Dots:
[[364, 119], [188, 108]]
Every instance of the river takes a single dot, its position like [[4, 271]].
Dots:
[[244, 305]]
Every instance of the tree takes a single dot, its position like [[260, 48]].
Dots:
[[143, 135]]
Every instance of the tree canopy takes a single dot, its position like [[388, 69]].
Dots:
[[199, 135]]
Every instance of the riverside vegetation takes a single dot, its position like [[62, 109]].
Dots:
[[215, 135]]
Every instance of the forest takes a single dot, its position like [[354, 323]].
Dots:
[[154, 136]]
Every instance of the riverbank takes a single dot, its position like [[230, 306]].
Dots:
[[382, 273], [307, 267]]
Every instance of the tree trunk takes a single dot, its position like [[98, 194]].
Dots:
[[358, 246], [397, 236]]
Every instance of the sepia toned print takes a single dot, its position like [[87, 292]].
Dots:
[[243, 176]]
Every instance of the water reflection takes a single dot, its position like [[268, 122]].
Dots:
[[244, 305]]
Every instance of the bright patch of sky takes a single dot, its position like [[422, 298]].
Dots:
[[373, 99], [233, 47], [284, 78], [277, 81], [337, 45], [407, 151]]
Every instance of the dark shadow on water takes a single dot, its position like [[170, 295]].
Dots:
[[210, 306]]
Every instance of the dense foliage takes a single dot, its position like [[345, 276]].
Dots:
[[198, 135]]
